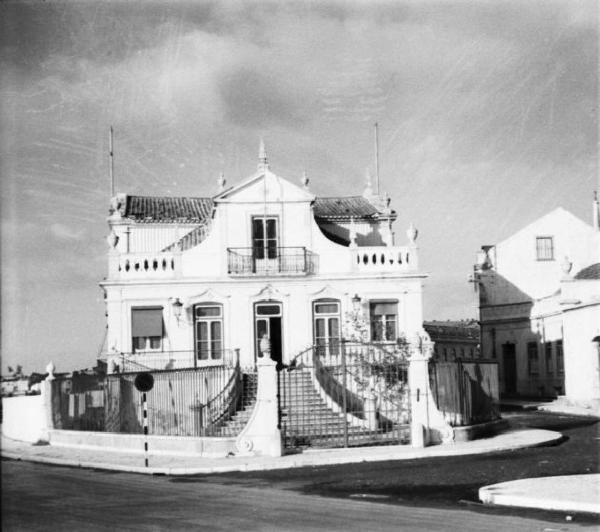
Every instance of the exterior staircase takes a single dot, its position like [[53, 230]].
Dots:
[[236, 423], [306, 420]]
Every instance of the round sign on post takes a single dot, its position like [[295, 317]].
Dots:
[[144, 382]]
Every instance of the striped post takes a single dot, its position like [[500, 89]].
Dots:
[[145, 422]]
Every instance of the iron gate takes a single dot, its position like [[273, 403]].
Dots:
[[345, 394]]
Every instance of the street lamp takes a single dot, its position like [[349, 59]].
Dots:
[[356, 303], [177, 307]]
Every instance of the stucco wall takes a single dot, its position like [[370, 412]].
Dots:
[[582, 365], [24, 418]]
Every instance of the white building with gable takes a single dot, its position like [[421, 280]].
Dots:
[[540, 307], [191, 281]]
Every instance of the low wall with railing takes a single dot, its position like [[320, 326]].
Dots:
[[465, 392], [191, 402]]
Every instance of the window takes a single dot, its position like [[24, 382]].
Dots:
[[549, 364], [383, 321], [326, 326], [560, 361], [532, 358], [146, 329], [209, 331], [544, 248], [264, 238]]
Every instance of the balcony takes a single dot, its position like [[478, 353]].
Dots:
[[271, 261]]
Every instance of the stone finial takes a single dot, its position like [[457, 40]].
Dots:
[[112, 239], [412, 233], [263, 161], [50, 370], [221, 181], [566, 266], [304, 179]]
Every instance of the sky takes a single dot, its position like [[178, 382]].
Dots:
[[487, 113]]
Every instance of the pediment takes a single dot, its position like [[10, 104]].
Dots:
[[264, 186], [328, 291], [269, 292], [207, 295]]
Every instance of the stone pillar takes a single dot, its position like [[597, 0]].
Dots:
[[46, 393], [261, 436], [427, 422]]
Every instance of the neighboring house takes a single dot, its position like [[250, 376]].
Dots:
[[537, 319], [14, 386], [454, 339], [195, 281]]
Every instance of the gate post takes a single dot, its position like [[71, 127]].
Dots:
[[427, 423], [261, 435]]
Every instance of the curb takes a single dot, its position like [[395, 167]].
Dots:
[[542, 493], [308, 459]]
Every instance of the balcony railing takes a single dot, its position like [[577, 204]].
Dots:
[[148, 265], [383, 259], [271, 261]]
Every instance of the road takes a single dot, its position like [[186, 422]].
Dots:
[[415, 495]]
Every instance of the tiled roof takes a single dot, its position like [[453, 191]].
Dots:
[[344, 208], [166, 209], [591, 272], [452, 329]]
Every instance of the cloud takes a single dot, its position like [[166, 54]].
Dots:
[[64, 232]]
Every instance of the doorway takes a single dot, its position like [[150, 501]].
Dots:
[[267, 320], [509, 365]]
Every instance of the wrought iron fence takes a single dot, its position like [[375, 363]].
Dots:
[[207, 401], [356, 395], [466, 392], [276, 260]]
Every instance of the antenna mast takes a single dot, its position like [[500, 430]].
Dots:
[[111, 159], [377, 158]]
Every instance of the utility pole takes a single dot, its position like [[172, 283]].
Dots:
[[111, 161], [377, 158]]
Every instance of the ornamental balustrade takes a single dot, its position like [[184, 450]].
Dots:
[[151, 265], [385, 258]]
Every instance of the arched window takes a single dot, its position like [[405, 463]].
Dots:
[[208, 329], [326, 326]]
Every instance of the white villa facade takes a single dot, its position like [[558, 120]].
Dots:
[[540, 308], [195, 281]]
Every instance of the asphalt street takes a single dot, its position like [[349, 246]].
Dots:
[[428, 494]]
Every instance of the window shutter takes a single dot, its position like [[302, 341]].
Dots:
[[147, 321]]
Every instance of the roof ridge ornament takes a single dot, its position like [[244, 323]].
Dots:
[[263, 161], [221, 181], [304, 179]]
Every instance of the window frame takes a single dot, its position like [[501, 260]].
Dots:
[[384, 321], [541, 251], [213, 355], [147, 339], [332, 344], [533, 369]]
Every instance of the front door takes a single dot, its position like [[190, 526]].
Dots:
[[264, 244], [267, 321], [509, 365]]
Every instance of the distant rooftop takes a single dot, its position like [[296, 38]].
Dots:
[[345, 208]]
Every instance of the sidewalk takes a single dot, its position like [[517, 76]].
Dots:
[[185, 465], [574, 493]]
